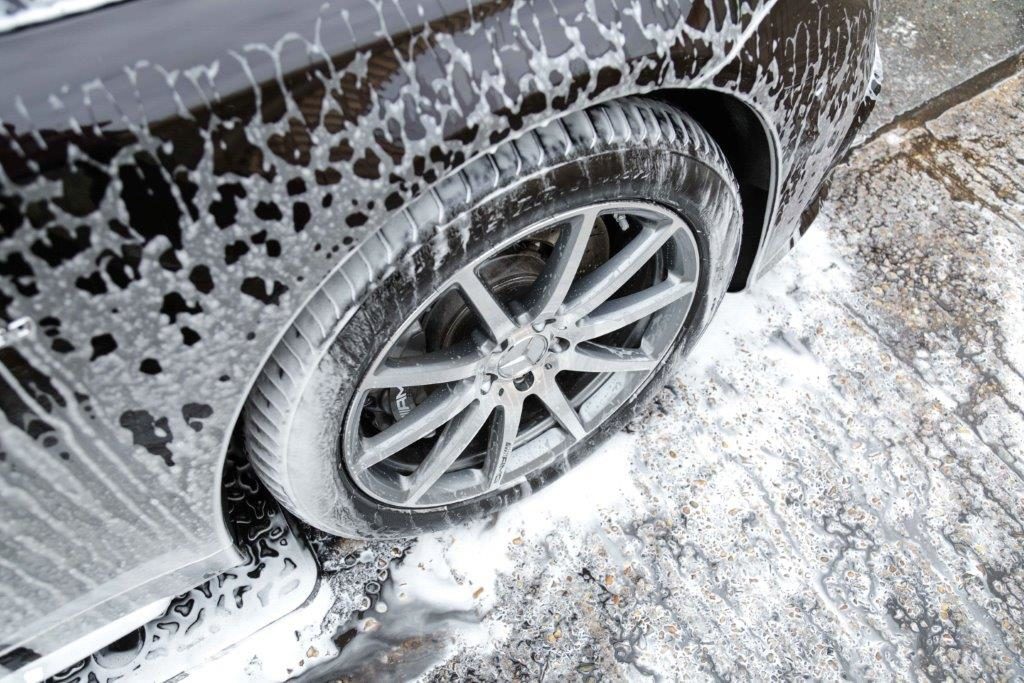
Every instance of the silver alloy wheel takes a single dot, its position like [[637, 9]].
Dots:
[[562, 325]]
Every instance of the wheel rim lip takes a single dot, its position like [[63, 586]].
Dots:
[[544, 443]]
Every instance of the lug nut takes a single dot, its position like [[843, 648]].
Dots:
[[524, 381]]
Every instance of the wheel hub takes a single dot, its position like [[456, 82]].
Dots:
[[504, 347], [521, 357]]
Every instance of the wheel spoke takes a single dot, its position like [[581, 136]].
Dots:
[[597, 358], [560, 408], [594, 288], [617, 313], [553, 284], [437, 367], [490, 311], [442, 405], [449, 446], [503, 436]]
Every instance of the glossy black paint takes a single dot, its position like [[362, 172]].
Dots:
[[177, 178]]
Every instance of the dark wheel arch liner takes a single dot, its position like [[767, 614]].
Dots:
[[749, 146]]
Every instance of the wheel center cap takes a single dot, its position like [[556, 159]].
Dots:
[[522, 356]]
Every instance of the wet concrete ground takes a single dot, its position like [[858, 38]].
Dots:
[[930, 46], [833, 487]]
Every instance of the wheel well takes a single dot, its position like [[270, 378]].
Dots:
[[741, 134]]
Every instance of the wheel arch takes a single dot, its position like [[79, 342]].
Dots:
[[747, 141], [686, 76]]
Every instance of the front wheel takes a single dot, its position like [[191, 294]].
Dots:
[[520, 315]]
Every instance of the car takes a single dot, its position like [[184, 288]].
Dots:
[[420, 258]]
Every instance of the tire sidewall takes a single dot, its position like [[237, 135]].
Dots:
[[677, 181]]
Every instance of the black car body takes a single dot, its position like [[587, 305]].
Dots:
[[176, 179]]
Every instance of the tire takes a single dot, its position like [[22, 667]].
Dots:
[[631, 149]]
